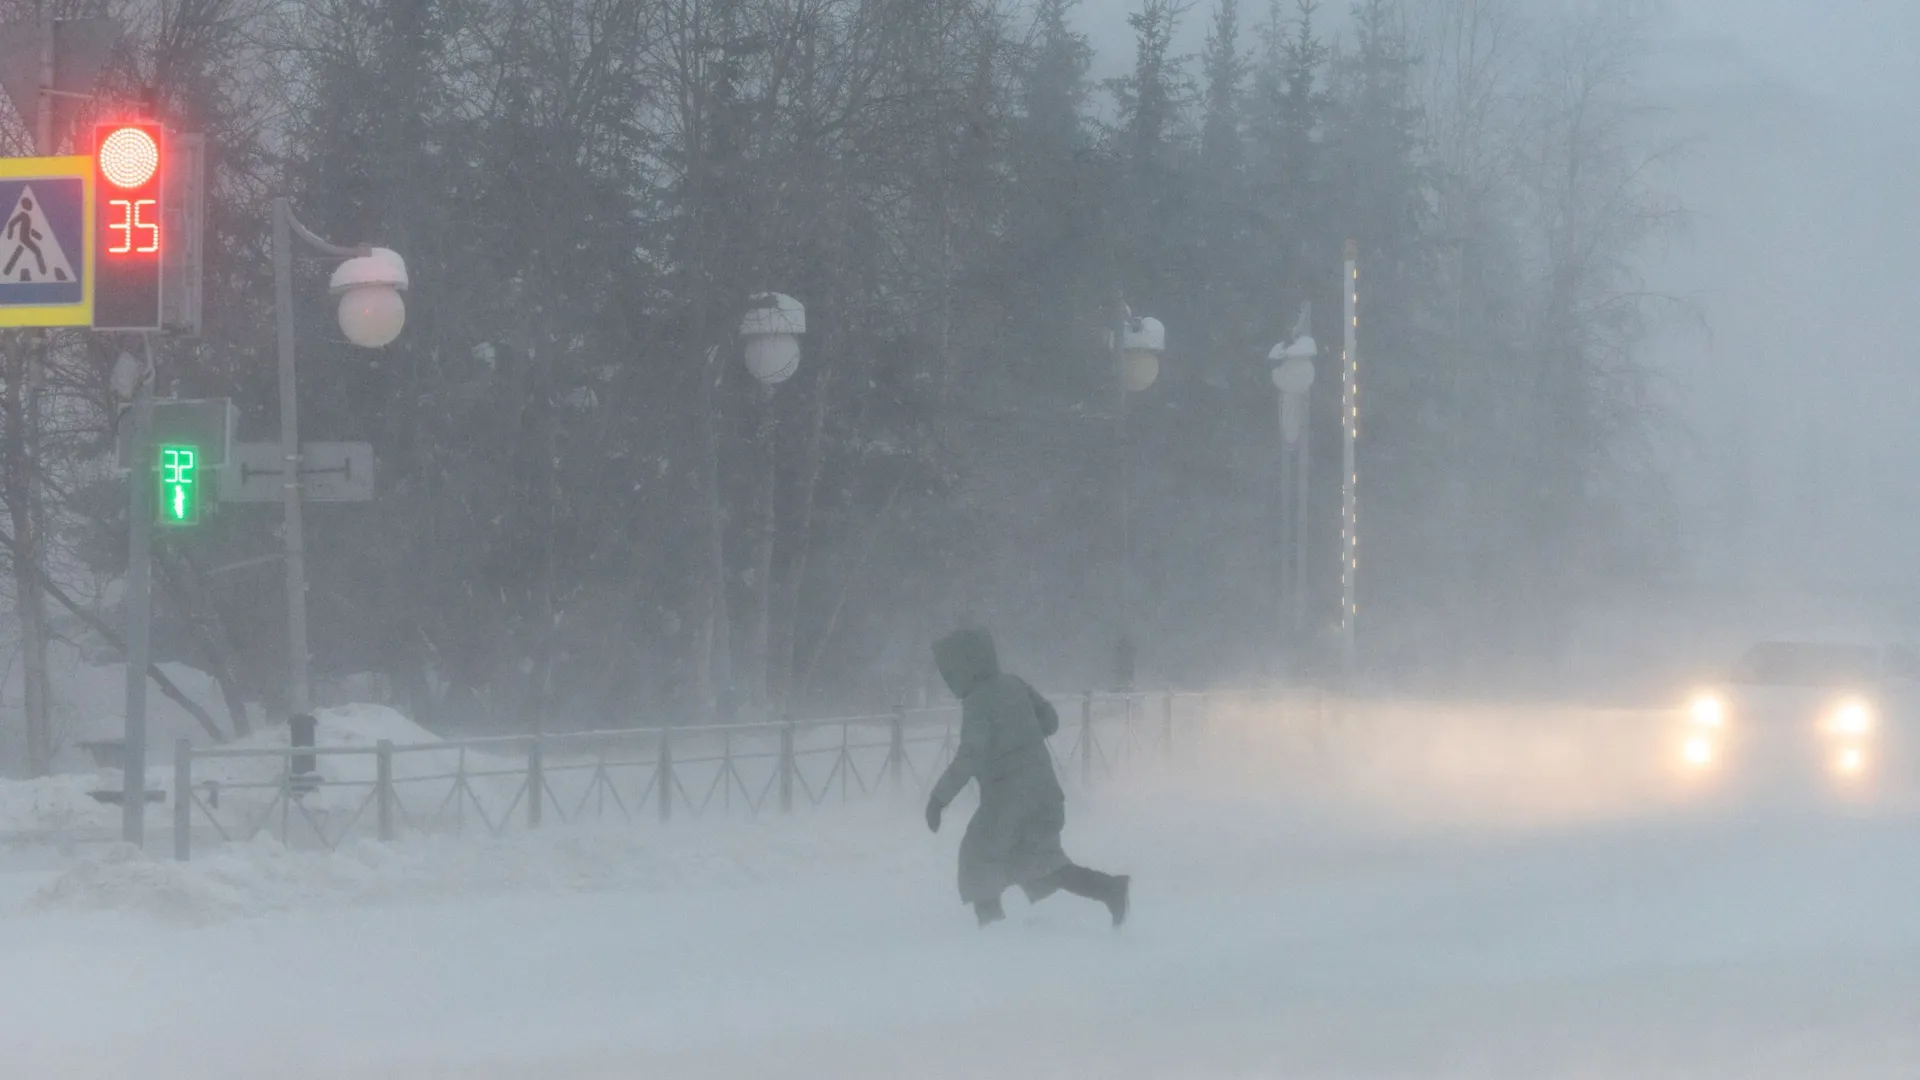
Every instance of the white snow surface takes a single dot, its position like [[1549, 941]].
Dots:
[[1281, 929]]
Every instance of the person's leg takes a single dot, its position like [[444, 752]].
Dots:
[[989, 911], [1112, 890]]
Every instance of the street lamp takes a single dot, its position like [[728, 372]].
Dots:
[[1138, 342], [371, 315], [1142, 340], [770, 332], [1293, 378]]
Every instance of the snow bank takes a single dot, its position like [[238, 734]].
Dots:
[[89, 703], [54, 805], [263, 877]]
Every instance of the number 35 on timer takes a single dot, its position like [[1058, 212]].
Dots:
[[134, 226]]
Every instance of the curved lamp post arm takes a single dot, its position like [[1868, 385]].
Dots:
[[312, 240]]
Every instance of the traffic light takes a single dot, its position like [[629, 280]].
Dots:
[[130, 228], [179, 502]]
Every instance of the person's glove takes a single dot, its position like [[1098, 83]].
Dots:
[[934, 810]]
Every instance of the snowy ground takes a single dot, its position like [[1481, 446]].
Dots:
[[1298, 937]]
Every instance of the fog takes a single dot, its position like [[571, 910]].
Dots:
[[1785, 376], [1370, 725], [1634, 336], [1800, 468]]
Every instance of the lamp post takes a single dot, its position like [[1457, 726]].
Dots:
[[770, 338], [1138, 342], [371, 315], [1293, 378]]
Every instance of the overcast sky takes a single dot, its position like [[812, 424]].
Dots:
[[1861, 51]]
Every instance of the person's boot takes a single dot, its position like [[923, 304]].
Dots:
[[1120, 898], [988, 912], [1113, 890]]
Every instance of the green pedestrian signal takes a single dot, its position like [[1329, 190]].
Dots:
[[179, 502]]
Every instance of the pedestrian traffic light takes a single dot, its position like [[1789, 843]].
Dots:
[[130, 230], [179, 502]]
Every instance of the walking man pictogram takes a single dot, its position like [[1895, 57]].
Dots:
[[28, 240]]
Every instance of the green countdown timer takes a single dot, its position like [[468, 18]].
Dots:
[[179, 485]]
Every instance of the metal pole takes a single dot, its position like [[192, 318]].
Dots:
[[787, 767], [298, 697], [1086, 739], [1289, 584], [536, 781], [1126, 480], [182, 800], [43, 102], [133, 789], [383, 788], [1301, 534], [663, 775], [31, 602], [897, 748]]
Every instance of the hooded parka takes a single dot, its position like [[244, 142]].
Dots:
[[1014, 837]]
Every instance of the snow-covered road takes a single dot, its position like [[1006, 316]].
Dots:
[[1269, 940]]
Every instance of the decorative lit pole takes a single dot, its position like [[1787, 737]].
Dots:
[[1293, 378], [1350, 474], [1138, 341], [372, 313]]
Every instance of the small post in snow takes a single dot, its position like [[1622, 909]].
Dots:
[[1166, 724], [536, 780], [663, 775], [1086, 738], [787, 767], [383, 788], [897, 749], [182, 800]]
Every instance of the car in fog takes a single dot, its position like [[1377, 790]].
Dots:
[[1790, 712]]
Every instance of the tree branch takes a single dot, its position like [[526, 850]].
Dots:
[[99, 626]]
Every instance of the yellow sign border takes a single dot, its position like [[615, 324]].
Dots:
[[66, 167]]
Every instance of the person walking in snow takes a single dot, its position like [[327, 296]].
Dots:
[[1014, 836]]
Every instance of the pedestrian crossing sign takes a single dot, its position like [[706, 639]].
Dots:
[[45, 238]]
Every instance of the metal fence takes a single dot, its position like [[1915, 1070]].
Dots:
[[324, 796]]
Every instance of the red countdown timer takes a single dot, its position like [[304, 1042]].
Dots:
[[129, 228]]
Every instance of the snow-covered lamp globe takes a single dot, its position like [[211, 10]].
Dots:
[[1293, 377], [372, 312], [1293, 365], [1140, 347], [771, 332]]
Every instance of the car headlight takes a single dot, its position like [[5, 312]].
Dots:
[[1708, 710], [1852, 718], [1850, 761], [1697, 752]]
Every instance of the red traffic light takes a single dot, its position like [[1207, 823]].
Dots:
[[131, 225], [129, 156]]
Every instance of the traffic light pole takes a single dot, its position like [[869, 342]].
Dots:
[[133, 792]]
